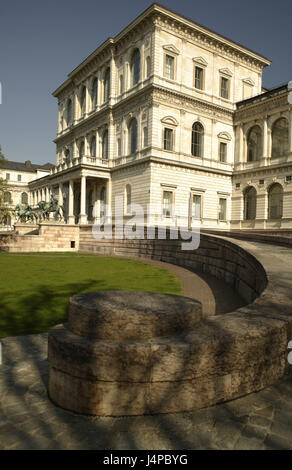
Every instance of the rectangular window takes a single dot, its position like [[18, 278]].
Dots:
[[224, 88], [7, 176], [168, 139], [18, 177], [197, 206], [169, 66], [167, 203], [222, 209], [223, 152], [199, 76]]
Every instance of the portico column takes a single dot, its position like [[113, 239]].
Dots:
[[108, 213], [60, 198], [71, 218], [83, 215]]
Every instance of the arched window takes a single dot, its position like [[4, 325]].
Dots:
[[69, 112], [7, 197], [106, 84], [105, 145], [81, 149], [254, 144], [197, 139], [93, 147], [82, 100], [103, 202], [24, 198], [250, 203], [135, 67], [148, 66], [275, 201], [133, 136], [128, 199], [280, 138], [94, 89]]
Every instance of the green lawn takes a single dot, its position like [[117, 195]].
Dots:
[[35, 288]]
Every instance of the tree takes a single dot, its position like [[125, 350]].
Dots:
[[4, 211]]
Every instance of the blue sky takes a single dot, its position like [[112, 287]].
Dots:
[[42, 41]]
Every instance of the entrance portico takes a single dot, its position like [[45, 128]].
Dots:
[[82, 193]]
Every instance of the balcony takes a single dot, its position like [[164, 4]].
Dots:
[[85, 160]]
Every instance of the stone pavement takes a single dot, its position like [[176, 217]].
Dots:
[[28, 419]]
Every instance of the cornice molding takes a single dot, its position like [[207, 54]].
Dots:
[[259, 110], [163, 95], [156, 17]]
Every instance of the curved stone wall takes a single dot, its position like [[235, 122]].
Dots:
[[229, 355], [216, 256]]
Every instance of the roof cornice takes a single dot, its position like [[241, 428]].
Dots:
[[159, 13]]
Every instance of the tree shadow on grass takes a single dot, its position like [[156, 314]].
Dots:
[[41, 309]]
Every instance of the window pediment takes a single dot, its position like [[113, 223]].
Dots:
[[200, 61], [226, 71], [169, 120], [171, 48], [224, 135], [248, 81]]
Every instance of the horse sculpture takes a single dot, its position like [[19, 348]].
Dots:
[[25, 213]]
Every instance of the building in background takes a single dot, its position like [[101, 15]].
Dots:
[[171, 115], [18, 176]]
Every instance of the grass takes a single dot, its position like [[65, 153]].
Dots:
[[35, 288]]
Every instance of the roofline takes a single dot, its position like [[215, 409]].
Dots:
[[268, 94], [156, 7]]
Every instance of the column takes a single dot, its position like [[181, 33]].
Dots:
[[112, 79], [110, 137], [95, 204], [265, 141], [97, 152], [108, 212], [83, 215], [60, 198], [241, 145], [71, 218], [75, 106], [86, 145], [86, 98]]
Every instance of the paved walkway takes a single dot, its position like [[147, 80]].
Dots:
[[28, 419]]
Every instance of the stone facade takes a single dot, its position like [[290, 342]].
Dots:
[[171, 114]]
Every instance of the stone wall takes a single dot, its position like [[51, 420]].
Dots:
[[48, 237], [221, 258]]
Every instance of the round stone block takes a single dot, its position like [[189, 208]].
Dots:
[[124, 315]]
